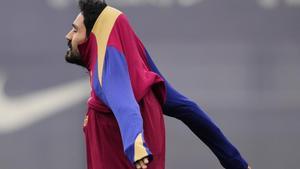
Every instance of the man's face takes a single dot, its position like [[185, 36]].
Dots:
[[75, 37]]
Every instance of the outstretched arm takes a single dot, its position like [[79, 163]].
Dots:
[[186, 110]]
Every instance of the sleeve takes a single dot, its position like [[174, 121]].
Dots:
[[117, 93]]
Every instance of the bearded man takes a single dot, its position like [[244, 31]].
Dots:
[[124, 126]]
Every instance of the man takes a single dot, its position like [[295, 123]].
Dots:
[[124, 123], [124, 80]]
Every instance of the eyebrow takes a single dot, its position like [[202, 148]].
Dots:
[[75, 26]]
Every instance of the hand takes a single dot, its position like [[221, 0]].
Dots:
[[249, 167], [142, 163]]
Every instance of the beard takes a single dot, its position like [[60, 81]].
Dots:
[[73, 57]]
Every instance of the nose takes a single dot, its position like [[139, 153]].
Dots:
[[69, 35]]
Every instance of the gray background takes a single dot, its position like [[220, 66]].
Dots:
[[238, 59]]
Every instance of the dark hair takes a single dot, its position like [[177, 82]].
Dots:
[[91, 9]]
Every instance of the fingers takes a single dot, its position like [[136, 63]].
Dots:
[[146, 161], [137, 165], [141, 164]]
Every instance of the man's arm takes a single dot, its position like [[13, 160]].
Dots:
[[116, 92], [190, 113]]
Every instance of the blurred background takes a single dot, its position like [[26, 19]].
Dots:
[[239, 60]]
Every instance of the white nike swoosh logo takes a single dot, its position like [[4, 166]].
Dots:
[[22, 111]]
